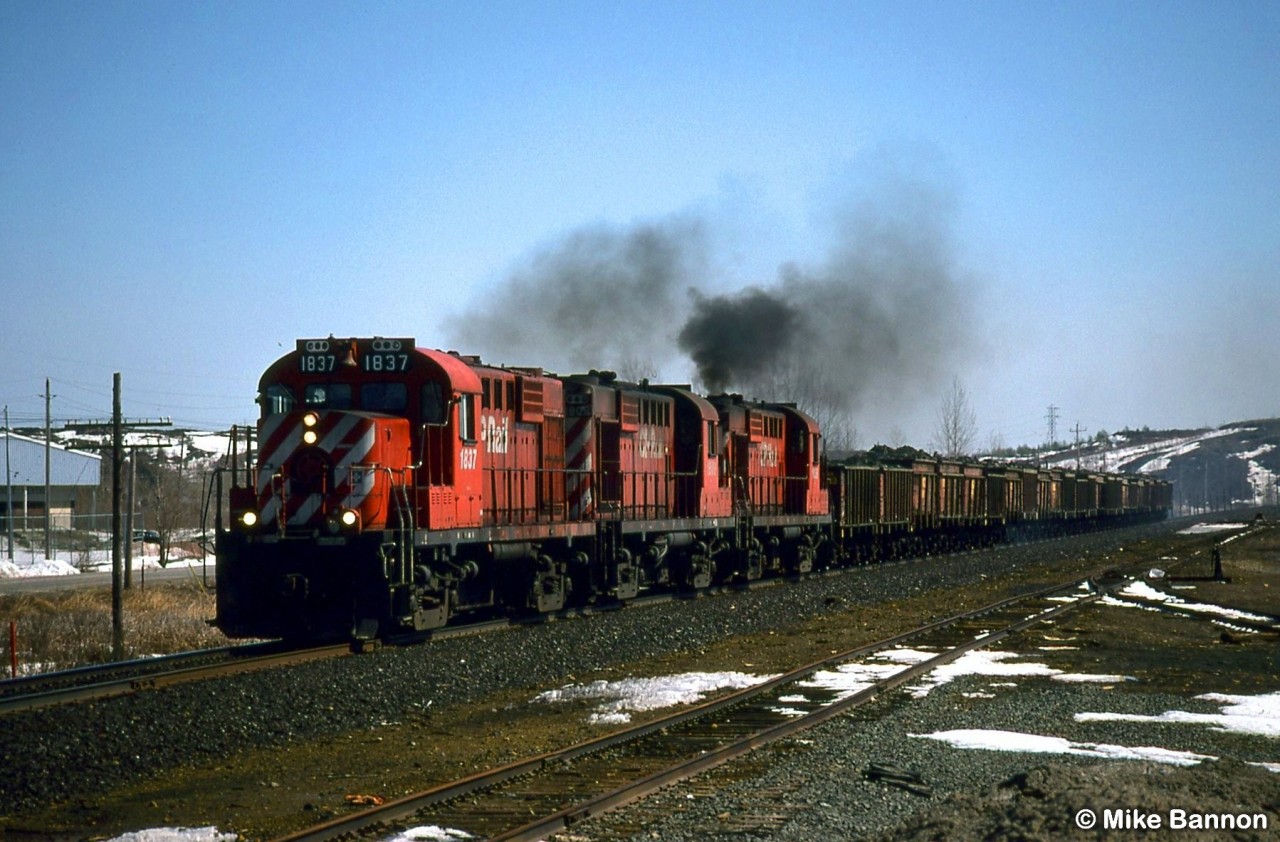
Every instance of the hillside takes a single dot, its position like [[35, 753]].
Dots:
[[1234, 465]]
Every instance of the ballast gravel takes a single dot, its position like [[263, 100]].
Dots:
[[816, 787], [62, 753]]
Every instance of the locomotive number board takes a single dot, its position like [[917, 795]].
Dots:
[[376, 355]]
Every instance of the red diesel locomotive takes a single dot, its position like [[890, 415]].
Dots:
[[396, 487]]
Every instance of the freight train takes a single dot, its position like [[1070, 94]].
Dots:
[[395, 488]]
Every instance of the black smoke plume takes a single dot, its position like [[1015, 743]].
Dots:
[[734, 338], [886, 313], [876, 326], [602, 297]]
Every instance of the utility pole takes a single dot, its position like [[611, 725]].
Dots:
[[48, 500], [117, 456], [8, 484], [128, 520], [1078, 430]]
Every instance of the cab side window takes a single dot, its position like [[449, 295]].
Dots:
[[467, 418], [276, 399], [432, 404]]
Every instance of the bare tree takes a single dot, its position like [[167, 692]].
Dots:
[[633, 369], [170, 497], [897, 438], [812, 388], [957, 422]]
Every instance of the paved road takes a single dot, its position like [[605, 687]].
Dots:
[[36, 584]]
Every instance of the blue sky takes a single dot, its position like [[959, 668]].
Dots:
[[186, 188]]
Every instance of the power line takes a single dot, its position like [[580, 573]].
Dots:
[[1052, 418]]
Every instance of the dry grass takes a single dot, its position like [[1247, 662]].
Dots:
[[65, 629]]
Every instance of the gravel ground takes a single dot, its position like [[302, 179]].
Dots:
[[815, 788], [230, 752]]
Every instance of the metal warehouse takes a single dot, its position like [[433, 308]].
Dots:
[[70, 473]]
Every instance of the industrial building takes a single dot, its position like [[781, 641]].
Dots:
[[73, 481]]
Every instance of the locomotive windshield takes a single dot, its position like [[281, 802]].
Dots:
[[328, 395], [278, 399], [384, 397]]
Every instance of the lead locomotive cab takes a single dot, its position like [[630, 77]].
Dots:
[[360, 443]]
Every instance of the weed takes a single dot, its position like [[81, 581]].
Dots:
[[65, 629]]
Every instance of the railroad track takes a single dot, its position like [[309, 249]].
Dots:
[[100, 681], [122, 678], [534, 798]]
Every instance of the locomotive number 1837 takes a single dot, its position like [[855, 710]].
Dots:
[[378, 355], [328, 363], [385, 362], [317, 363]]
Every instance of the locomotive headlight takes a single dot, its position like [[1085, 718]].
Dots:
[[347, 519], [311, 419], [249, 519], [310, 437]]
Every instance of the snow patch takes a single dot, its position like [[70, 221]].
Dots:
[[620, 699], [1254, 715], [176, 834], [1209, 528], [1143, 591], [431, 833], [990, 740]]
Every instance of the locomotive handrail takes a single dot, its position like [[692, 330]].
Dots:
[[682, 494], [424, 440], [214, 489], [404, 512]]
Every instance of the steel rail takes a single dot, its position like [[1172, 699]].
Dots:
[[13, 686], [133, 684], [150, 673], [567, 817]]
